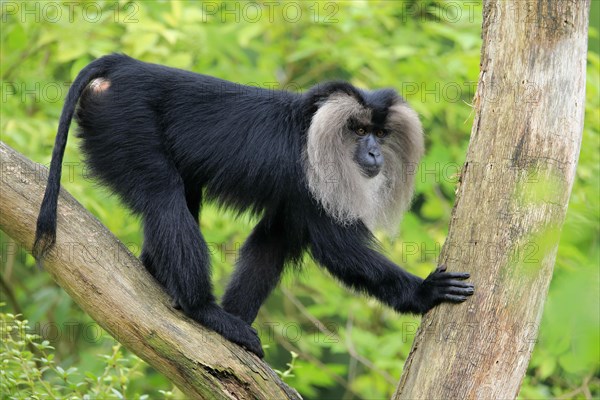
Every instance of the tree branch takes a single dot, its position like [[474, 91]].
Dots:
[[112, 286]]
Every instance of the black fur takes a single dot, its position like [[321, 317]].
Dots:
[[165, 140]]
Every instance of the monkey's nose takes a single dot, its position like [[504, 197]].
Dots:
[[376, 158]]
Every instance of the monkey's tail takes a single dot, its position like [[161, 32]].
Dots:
[[45, 235]]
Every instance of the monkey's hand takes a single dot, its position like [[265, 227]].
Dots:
[[441, 286]]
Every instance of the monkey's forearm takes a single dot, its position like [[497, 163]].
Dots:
[[367, 271], [350, 259]]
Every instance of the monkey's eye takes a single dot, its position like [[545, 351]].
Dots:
[[361, 132], [380, 133]]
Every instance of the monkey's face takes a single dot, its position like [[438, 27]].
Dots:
[[361, 154], [368, 140]]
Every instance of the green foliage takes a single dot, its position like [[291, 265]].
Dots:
[[347, 346], [29, 369], [288, 373]]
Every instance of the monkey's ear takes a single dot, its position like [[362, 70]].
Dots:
[[320, 93]]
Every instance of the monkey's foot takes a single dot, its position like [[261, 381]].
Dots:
[[441, 286], [230, 327], [175, 304]]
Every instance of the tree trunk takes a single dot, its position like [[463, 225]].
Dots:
[[112, 286], [511, 202]]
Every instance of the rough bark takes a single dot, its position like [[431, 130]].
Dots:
[[111, 285], [511, 202]]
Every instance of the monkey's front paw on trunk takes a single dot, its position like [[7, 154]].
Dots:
[[441, 286], [231, 328]]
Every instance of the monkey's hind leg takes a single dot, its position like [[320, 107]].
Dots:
[[177, 255], [193, 196]]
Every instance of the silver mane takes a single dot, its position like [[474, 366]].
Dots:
[[336, 181]]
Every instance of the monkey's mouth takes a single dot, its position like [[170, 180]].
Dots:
[[370, 171]]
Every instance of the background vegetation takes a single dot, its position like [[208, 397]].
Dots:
[[347, 346]]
